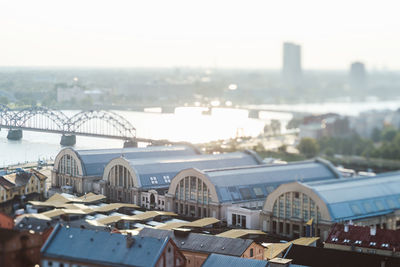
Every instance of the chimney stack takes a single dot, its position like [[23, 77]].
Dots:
[[129, 240], [372, 230], [346, 228]]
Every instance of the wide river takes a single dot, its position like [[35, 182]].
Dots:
[[187, 124]]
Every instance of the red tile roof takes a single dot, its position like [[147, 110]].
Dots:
[[360, 236]]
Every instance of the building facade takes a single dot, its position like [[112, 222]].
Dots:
[[210, 193], [15, 187], [364, 201], [81, 168], [144, 182]]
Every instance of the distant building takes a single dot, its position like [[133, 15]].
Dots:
[[81, 247], [358, 76], [293, 207], [330, 125], [77, 94], [197, 247], [15, 187], [364, 239], [196, 193], [291, 70]]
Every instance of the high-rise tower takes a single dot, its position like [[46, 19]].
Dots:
[[291, 69]]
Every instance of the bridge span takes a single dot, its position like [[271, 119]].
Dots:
[[95, 123]]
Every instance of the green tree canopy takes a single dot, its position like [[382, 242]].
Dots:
[[308, 147]]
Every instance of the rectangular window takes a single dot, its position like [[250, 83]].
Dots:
[[368, 207], [379, 205], [355, 208], [258, 192], [245, 192]]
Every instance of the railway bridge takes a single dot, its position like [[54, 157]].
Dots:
[[96, 123]]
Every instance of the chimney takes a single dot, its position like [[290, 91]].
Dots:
[[372, 230], [346, 228], [129, 240]]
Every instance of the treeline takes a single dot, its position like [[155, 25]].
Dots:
[[383, 143]]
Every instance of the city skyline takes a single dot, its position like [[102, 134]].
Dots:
[[223, 34]]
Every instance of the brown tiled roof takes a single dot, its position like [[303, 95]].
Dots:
[[38, 174], [6, 183], [383, 239]]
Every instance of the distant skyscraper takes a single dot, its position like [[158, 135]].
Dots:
[[291, 63], [358, 76]]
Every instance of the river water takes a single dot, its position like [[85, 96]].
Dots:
[[186, 124]]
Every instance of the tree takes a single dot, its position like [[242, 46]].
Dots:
[[376, 135], [388, 134], [308, 147]]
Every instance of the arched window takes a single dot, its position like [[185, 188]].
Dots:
[[194, 189], [120, 176], [68, 165], [296, 205]]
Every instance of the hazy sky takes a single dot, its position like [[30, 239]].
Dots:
[[202, 33]]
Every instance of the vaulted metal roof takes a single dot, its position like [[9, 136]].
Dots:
[[252, 183], [94, 160], [158, 172], [354, 198]]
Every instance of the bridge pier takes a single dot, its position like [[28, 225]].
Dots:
[[68, 140], [14, 134], [130, 143]]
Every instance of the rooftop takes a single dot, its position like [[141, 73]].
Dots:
[[94, 160], [349, 199], [360, 236], [256, 182], [201, 242], [102, 247], [218, 260]]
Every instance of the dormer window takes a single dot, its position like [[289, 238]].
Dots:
[[167, 179], [346, 241], [335, 239], [372, 243], [358, 242], [385, 245], [153, 180]]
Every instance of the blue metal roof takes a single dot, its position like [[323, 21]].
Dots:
[[218, 260], [162, 170], [94, 160], [102, 247], [356, 198], [252, 183]]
